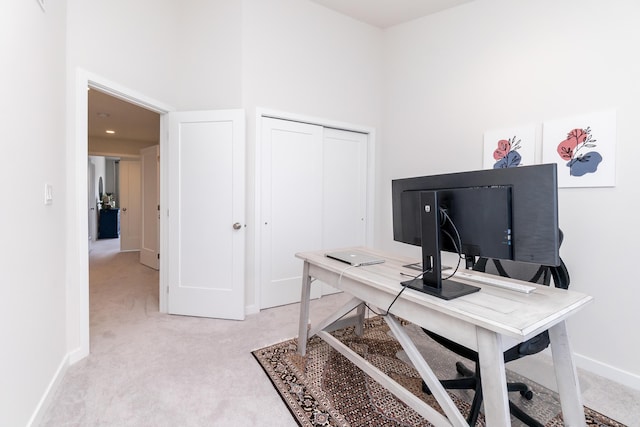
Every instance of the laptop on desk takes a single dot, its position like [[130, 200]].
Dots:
[[355, 258]]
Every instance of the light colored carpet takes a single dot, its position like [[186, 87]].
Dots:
[[152, 369]]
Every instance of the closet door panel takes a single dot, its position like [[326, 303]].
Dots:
[[291, 207], [344, 191]]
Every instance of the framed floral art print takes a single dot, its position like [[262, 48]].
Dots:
[[583, 148]]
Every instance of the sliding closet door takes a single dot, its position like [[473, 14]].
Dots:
[[344, 191], [291, 213], [313, 195]]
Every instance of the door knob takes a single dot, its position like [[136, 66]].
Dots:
[[237, 226]]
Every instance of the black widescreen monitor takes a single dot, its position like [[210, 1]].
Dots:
[[509, 213]]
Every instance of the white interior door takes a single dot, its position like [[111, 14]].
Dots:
[[291, 194], [130, 202], [150, 229], [206, 214], [344, 210]]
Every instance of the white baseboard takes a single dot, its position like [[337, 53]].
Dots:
[[76, 355], [45, 400], [251, 309], [607, 371]]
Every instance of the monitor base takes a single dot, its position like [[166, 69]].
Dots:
[[449, 290]]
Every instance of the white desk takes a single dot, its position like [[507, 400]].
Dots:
[[489, 321]]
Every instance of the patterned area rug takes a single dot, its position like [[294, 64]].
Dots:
[[326, 389]]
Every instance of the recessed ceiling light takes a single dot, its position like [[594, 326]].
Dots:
[[111, 131]]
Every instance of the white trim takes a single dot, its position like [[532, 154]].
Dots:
[[319, 121], [49, 393], [115, 155], [75, 356], [251, 309], [78, 249], [128, 95], [617, 375], [163, 265], [590, 365]]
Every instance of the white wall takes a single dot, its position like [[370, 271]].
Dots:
[[208, 55], [492, 64], [304, 58], [131, 43], [99, 163], [185, 54], [100, 172], [32, 275]]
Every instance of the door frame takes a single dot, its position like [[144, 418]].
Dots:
[[91, 205], [319, 121], [77, 245]]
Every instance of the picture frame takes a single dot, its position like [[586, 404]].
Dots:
[[583, 147]]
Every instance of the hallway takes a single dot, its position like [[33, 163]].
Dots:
[[122, 294]]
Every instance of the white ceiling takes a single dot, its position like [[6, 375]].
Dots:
[[134, 123], [386, 13], [129, 121]]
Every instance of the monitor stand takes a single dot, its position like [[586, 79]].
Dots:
[[431, 281], [448, 289]]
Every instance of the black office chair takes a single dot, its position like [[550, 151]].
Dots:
[[471, 378]]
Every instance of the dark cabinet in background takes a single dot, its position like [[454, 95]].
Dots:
[[109, 224]]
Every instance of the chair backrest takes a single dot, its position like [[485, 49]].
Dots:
[[534, 273], [541, 274]]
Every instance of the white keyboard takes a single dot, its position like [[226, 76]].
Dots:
[[496, 281]]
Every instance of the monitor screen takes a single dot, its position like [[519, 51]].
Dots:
[[509, 213], [480, 217]]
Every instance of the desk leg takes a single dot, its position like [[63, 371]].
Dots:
[[453, 414], [494, 378], [566, 376], [304, 310], [360, 316]]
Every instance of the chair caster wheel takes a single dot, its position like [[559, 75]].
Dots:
[[527, 394], [463, 370]]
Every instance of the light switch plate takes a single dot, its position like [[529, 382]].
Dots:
[[48, 194]]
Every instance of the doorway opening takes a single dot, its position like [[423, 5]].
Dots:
[[79, 244], [117, 132]]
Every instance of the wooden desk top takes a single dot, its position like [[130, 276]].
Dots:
[[512, 314]]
